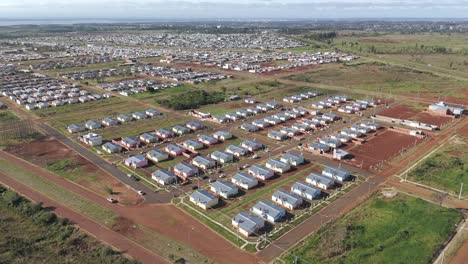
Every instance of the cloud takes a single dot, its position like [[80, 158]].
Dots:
[[232, 8]]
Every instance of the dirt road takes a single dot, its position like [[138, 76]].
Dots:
[[91, 227], [165, 219]]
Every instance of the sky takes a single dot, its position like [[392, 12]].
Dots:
[[230, 9]]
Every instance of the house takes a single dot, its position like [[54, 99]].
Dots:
[[92, 139], [56, 103], [247, 224], [222, 135], [152, 112], [274, 105], [137, 161], [91, 124], [207, 140], [261, 172], [193, 125], [273, 120], [249, 127], [292, 114], [340, 154], [250, 100], [334, 143], [148, 138], [277, 165], [336, 174], [203, 162], [292, 158], [224, 189], [174, 149], [286, 199], [318, 147], [289, 131], [236, 151], [301, 127], [277, 135], [234, 116], [73, 128], [139, 116], [261, 123], [330, 116], [311, 123], [370, 124], [244, 181], [157, 155], [108, 121], [164, 177], [300, 110], [220, 118], [244, 113], [268, 211], [252, 145], [306, 191], [351, 133], [181, 130], [129, 142], [203, 199], [124, 118], [164, 133], [111, 148], [283, 117], [185, 170], [222, 157], [31, 107], [358, 128], [320, 181], [341, 137], [192, 144]]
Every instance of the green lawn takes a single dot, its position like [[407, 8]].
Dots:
[[31, 234], [71, 170], [446, 169], [402, 229]]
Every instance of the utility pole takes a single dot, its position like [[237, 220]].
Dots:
[[461, 190]]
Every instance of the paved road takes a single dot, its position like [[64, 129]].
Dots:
[[150, 197], [91, 227], [314, 222]]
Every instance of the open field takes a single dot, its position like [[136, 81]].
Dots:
[[416, 112], [7, 116], [383, 230], [382, 78], [55, 157], [30, 233], [446, 169], [381, 148]]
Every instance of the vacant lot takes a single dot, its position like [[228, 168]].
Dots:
[[31, 234], [381, 77], [402, 229], [446, 169], [7, 116]]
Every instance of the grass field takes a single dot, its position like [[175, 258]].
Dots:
[[446, 169], [7, 116], [31, 234], [402, 229], [381, 77]]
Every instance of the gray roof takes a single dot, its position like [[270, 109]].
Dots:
[[260, 170], [287, 197], [305, 189], [336, 172], [203, 160], [164, 175], [270, 209], [202, 196], [155, 153], [244, 178], [248, 222], [223, 186], [185, 167], [321, 178], [276, 163]]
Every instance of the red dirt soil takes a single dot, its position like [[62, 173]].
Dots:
[[381, 148], [46, 151], [433, 119], [461, 257], [399, 111]]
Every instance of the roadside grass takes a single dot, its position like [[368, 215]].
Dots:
[[70, 170], [8, 116], [446, 169], [402, 229], [33, 234], [57, 193]]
